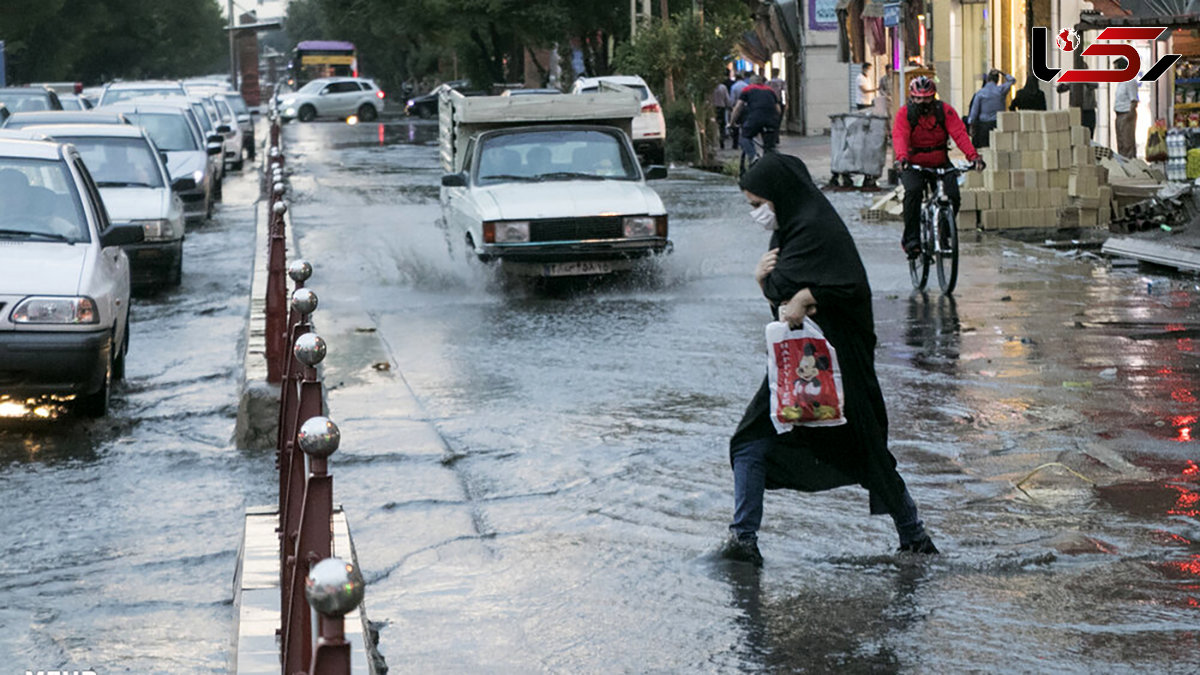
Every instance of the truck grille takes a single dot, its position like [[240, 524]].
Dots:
[[570, 229]]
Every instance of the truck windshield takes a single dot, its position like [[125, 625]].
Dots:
[[554, 154]]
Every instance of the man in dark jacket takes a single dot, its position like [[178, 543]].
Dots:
[[757, 111], [920, 136]]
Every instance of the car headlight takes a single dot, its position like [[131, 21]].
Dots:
[[198, 176], [409, 103], [506, 232], [289, 111], [55, 310], [638, 226], [157, 230]]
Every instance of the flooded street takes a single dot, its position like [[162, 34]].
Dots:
[[121, 533], [1043, 418]]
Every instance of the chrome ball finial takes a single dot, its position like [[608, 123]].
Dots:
[[275, 152], [280, 208], [304, 300], [334, 587], [310, 349], [300, 270], [279, 188], [319, 437]]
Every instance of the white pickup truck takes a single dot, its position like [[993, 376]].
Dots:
[[549, 185]]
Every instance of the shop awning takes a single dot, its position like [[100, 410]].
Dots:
[[1142, 13], [777, 29]]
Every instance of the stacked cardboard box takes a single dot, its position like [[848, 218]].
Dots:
[[1041, 172]]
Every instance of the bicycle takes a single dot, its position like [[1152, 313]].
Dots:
[[939, 234]]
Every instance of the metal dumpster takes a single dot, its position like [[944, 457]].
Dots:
[[859, 143]]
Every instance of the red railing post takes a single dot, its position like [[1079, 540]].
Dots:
[[276, 319], [333, 588]]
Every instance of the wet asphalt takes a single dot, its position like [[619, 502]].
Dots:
[[1043, 418]]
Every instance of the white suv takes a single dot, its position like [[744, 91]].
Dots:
[[64, 280], [333, 97], [649, 128]]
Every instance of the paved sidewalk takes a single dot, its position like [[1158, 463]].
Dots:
[[816, 151]]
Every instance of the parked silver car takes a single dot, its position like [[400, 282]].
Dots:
[[333, 97], [136, 188], [64, 280]]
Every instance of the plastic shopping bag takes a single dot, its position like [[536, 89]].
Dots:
[[804, 377]]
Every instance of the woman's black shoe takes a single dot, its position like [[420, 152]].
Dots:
[[923, 545], [742, 550]]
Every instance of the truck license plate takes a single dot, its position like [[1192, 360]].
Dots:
[[574, 268]]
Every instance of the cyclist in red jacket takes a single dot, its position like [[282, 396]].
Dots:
[[920, 135]]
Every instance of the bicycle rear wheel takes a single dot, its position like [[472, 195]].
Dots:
[[947, 252]]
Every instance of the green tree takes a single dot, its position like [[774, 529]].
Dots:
[[692, 49]]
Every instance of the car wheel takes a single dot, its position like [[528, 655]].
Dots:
[[209, 210], [307, 113], [175, 278], [119, 363], [367, 113], [237, 166], [250, 151], [96, 404]]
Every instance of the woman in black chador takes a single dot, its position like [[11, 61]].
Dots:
[[813, 269]]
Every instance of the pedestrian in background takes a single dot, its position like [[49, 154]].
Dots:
[[813, 269], [757, 111], [864, 91], [777, 84], [987, 102], [1029, 97], [1082, 95], [740, 82], [720, 104], [1125, 104]]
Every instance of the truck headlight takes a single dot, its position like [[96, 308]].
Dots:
[[157, 230], [638, 226], [55, 310], [506, 232]]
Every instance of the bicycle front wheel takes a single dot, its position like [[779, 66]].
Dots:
[[947, 251], [918, 267]]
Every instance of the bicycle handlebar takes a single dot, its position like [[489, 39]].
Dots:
[[941, 171]]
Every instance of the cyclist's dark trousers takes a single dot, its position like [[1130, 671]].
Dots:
[[914, 192], [752, 129]]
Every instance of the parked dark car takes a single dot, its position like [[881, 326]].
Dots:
[[426, 105], [23, 99]]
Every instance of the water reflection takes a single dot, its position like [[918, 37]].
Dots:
[[828, 626], [934, 332]]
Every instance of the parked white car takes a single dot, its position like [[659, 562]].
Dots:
[[64, 280], [136, 189], [649, 133], [333, 97]]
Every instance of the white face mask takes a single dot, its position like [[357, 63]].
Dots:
[[765, 216]]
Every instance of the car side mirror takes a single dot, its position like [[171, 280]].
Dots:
[[255, 111], [214, 148], [162, 154], [183, 184], [122, 235], [656, 172], [454, 180], [224, 129]]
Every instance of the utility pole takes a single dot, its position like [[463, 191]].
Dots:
[[670, 83], [233, 73]]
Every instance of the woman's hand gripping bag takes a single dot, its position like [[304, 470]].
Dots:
[[805, 380]]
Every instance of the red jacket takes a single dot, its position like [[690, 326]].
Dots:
[[928, 134]]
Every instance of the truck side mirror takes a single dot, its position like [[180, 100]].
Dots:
[[454, 180], [224, 129], [656, 172]]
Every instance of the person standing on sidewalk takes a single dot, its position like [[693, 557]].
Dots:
[[813, 269], [1029, 97], [1125, 104], [864, 91], [1082, 95], [720, 104], [987, 102]]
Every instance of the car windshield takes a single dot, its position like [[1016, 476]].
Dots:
[[116, 95], [202, 117], [118, 162], [313, 87], [223, 108], [70, 103], [170, 132], [238, 105], [554, 155], [38, 201], [21, 101]]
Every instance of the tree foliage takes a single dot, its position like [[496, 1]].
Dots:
[[97, 40]]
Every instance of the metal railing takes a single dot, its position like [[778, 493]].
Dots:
[[311, 580]]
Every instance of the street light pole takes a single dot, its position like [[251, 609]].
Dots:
[[233, 74]]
